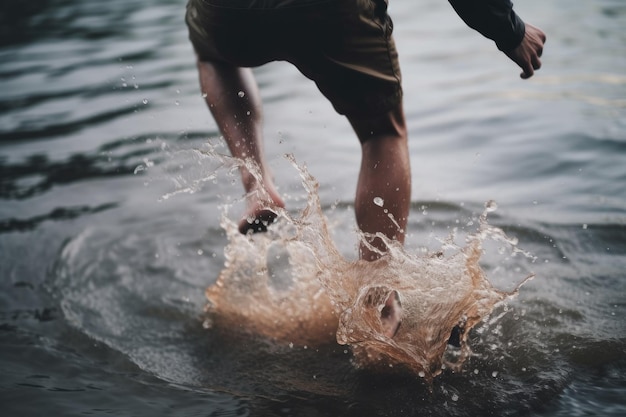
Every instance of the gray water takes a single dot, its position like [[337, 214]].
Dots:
[[110, 217]]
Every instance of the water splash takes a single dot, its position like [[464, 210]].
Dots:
[[292, 285]]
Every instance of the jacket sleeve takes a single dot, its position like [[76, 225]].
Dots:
[[494, 19]]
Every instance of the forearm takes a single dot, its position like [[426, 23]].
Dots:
[[494, 19]]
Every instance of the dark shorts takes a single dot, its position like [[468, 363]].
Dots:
[[345, 46]]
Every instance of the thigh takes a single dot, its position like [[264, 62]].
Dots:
[[345, 46], [233, 35], [353, 59], [251, 32]]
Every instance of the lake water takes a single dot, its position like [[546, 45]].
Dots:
[[112, 208]]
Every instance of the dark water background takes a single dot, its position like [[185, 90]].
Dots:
[[102, 277]]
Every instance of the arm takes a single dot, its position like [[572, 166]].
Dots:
[[496, 20]]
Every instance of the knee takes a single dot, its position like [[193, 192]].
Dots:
[[389, 127]]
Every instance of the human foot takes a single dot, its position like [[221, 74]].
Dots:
[[257, 221], [262, 210]]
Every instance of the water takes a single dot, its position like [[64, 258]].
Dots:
[[111, 217]]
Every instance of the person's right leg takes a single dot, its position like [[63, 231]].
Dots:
[[384, 187], [233, 98]]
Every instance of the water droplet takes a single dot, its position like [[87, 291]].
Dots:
[[454, 397], [145, 101], [491, 206], [379, 201], [200, 251], [421, 374], [241, 94], [494, 374]]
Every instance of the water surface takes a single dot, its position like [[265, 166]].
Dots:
[[110, 219]]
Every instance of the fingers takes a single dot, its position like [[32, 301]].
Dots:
[[528, 72], [530, 67], [529, 51]]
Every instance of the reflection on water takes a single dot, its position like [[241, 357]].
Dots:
[[65, 213], [110, 221]]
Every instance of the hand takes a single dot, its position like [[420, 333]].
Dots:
[[527, 53]]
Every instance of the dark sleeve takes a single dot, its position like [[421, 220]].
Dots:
[[494, 19]]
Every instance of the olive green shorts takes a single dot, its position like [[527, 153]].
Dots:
[[345, 46]]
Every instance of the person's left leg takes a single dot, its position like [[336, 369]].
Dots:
[[383, 193], [232, 95]]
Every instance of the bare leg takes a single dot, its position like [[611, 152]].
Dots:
[[233, 98], [384, 179]]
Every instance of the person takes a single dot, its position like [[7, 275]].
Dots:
[[346, 47]]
